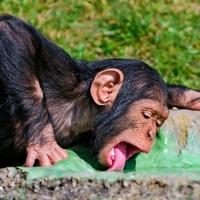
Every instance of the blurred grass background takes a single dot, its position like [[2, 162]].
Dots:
[[163, 33]]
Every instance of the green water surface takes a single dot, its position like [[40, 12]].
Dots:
[[165, 158]]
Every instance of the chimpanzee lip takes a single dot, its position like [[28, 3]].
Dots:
[[131, 150]]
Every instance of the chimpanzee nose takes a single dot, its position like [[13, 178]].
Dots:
[[152, 133]]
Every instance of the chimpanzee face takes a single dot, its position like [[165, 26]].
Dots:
[[139, 127]]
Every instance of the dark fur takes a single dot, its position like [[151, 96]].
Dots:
[[177, 96], [26, 56]]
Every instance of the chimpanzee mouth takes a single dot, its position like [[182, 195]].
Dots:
[[118, 155]]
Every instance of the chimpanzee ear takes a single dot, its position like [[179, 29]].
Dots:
[[106, 85]]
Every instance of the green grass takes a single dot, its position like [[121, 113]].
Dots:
[[163, 33]]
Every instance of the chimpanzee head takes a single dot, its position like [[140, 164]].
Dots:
[[135, 100]]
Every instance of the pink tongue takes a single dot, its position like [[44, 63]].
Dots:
[[120, 156]]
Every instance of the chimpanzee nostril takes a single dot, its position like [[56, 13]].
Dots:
[[151, 134]]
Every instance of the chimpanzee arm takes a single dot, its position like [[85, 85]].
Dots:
[[183, 97], [20, 71]]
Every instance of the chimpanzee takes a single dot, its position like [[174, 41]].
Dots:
[[49, 101]]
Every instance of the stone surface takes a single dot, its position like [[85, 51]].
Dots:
[[13, 185]]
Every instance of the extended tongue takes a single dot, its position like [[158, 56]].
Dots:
[[120, 156]]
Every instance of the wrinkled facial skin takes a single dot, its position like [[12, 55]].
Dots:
[[142, 121]]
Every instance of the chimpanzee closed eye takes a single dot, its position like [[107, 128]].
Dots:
[[48, 101]]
